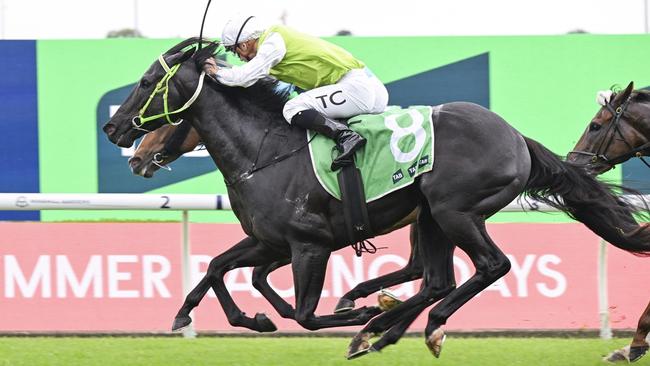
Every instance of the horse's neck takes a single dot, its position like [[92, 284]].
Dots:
[[231, 136], [643, 124]]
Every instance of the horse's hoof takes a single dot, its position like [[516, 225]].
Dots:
[[361, 353], [344, 305], [387, 300], [637, 352], [359, 346], [180, 323], [264, 323], [435, 340], [620, 355]]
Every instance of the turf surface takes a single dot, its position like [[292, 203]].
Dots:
[[299, 351]]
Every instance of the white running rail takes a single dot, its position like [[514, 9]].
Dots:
[[191, 202]]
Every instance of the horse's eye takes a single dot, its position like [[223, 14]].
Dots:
[[593, 126], [145, 83]]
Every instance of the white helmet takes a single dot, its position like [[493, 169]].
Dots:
[[241, 29]]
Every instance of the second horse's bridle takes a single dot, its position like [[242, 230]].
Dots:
[[600, 154]]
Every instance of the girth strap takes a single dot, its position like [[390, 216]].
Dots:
[[355, 210]]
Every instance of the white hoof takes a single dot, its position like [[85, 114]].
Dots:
[[435, 341]]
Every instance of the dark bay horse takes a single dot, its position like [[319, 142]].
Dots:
[[620, 130], [481, 165]]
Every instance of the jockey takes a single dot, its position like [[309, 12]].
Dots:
[[336, 84]]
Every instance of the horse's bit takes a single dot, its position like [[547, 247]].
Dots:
[[609, 137]]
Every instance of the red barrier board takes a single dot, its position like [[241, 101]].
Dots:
[[126, 277]]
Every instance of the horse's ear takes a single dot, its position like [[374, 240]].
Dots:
[[187, 54], [627, 92], [180, 57]]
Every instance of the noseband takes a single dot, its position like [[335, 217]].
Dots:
[[163, 87], [600, 156]]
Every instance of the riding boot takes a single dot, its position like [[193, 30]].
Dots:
[[347, 141]]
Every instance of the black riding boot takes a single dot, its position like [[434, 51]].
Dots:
[[347, 141]]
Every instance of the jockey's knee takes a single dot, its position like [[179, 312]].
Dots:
[[293, 107]]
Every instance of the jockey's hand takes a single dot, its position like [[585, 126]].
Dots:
[[210, 67]]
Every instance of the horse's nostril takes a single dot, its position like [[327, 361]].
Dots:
[[109, 129], [134, 162]]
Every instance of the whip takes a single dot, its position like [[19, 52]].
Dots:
[[203, 23]]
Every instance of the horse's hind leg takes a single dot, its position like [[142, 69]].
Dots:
[[246, 253], [412, 271], [436, 253], [466, 230]]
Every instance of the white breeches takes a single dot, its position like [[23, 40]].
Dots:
[[358, 92]]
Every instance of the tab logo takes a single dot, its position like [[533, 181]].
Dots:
[[413, 169], [423, 161], [397, 176]]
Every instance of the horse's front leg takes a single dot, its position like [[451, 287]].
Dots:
[[248, 252], [260, 282], [640, 345], [309, 262]]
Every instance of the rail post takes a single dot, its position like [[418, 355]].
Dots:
[[603, 305], [188, 332]]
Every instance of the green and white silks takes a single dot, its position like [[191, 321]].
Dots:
[[399, 148]]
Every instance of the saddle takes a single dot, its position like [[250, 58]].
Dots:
[[399, 148]]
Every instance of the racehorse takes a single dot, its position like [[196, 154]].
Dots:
[[166, 144], [481, 165], [169, 142], [620, 130]]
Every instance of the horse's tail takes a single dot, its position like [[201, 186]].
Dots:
[[573, 190]]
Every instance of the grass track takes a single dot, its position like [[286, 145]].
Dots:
[[299, 351]]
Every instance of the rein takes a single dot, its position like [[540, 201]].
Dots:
[[163, 87], [633, 152], [254, 168]]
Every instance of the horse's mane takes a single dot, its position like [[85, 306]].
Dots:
[[641, 95], [263, 93]]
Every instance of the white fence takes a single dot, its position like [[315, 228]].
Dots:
[[127, 201], [191, 202]]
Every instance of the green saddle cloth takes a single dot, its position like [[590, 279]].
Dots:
[[399, 148]]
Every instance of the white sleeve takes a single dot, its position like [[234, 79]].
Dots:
[[269, 54]]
